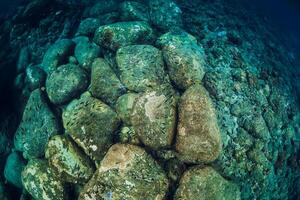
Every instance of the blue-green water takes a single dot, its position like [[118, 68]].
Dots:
[[160, 99]]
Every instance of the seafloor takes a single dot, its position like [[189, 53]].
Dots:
[[153, 100]]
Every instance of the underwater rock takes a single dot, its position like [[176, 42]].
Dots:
[[37, 126], [124, 106], [35, 77], [105, 84], [66, 158], [121, 34], [88, 26], [103, 7], [86, 52], [198, 138], [23, 60], [34, 9], [134, 11], [127, 172], [65, 83], [139, 70], [42, 182], [185, 60], [165, 14], [128, 135], [206, 184], [57, 55], [13, 168], [257, 127], [154, 118], [91, 124]]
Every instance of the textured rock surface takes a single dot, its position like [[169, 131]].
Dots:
[[206, 184], [121, 34], [13, 168], [42, 182], [198, 138], [105, 84], [66, 158], [66, 83], [140, 71], [184, 58], [124, 106], [88, 26], [127, 172], [37, 126], [57, 54], [35, 77], [131, 11], [91, 124], [154, 118]]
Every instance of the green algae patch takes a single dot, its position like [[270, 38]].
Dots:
[[198, 134], [120, 34], [91, 124], [206, 184], [127, 172], [66, 158], [42, 182]]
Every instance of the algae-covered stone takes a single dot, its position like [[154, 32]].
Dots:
[[198, 138], [42, 182], [206, 184], [128, 135], [165, 14], [131, 10], [69, 160], [124, 106], [121, 34], [88, 26], [57, 54], [35, 77], [37, 126], [86, 52], [185, 59], [154, 118], [105, 84], [65, 83], [127, 172], [91, 124], [13, 168], [141, 67]]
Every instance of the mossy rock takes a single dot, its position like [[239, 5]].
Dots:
[[206, 184], [57, 55], [91, 124], [65, 83], [154, 117], [185, 59], [66, 158], [141, 67], [42, 182], [124, 106], [127, 135], [121, 34], [37, 126], [198, 134], [105, 84], [127, 172]]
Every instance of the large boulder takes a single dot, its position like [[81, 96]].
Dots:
[[141, 67], [57, 55], [66, 158], [184, 58], [121, 34], [127, 172], [91, 124], [37, 126], [105, 84], [42, 182], [65, 83], [165, 14], [154, 118], [198, 137], [206, 184]]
